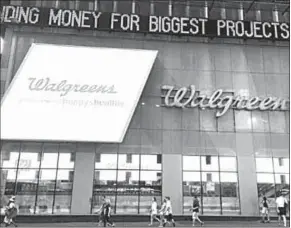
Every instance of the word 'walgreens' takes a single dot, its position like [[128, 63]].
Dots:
[[187, 98], [63, 87]]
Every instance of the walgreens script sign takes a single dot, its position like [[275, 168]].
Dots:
[[69, 93]]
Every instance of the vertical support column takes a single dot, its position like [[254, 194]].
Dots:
[[83, 179], [172, 181], [247, 174]]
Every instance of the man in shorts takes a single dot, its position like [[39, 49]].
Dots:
[[154, 211], [195, 211], [265, 210], [169, 213], [163, 212], [281, 208]]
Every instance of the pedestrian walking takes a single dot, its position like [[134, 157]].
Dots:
[[154, 211], [163, 212], [169, 213], [10, 212], [265, 210], [101, 211], [107, 214], [282, 205], [195, 211]]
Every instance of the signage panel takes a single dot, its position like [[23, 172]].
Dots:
[[181, 26], [71, 93]]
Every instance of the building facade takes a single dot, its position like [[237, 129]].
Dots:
[[229, 162]]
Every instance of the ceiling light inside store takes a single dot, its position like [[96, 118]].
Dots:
[[142, 103]]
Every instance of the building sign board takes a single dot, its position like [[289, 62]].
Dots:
[[74, 93], [189, 97], [181, 26]]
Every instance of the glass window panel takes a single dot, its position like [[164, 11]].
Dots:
[[191, 183], [281, 165], [50, 156], [26, 181], [277, 122], [151, 183], [226, 122], [260, 121], [208, 120], [47, 181], [106, 161], [229, 193], [179, 8], [161, 8], [62, 204], [10, 155], [127, 204], [243, 121], [209, 163], [145, 203], [128, 161], [211, 193], [153, 162], [128, 178], [282, 179], [227, 163], [191, 163], [97, 202], [44, 204], [65, 180], [67, 156], [266, 187], [264, 165], [30, 155], [26, 204], [105, 182], [8, 177]]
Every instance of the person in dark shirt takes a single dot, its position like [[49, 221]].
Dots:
[[107, 214], [265, 210], [195, 210]]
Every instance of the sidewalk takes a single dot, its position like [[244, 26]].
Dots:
[[142, 224]]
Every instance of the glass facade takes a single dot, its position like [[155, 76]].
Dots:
[[128, 180], [40, 175], [273, 179], [214, 181]]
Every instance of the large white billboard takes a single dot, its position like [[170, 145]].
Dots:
[[72, 93]]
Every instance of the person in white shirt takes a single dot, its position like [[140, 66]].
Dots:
[[281, 208], [169, 213], [154, 211], [10, 212]]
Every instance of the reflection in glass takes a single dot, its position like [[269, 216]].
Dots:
[[44, 204], [67, 155], [127, 204], [209, 163], [128, 182], [281, 165], [50, 156], [30, 156], [227, 163], [151, 183], [47, 181], [64, 181], [128, 161], [105, 161], [104, 182], [266, 187], [26, 181], [191, 163], [211, 193], [62, 204], [26, 204], [229, 193], [10, 155], [264, 165], [7, 179], [153, 162]]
